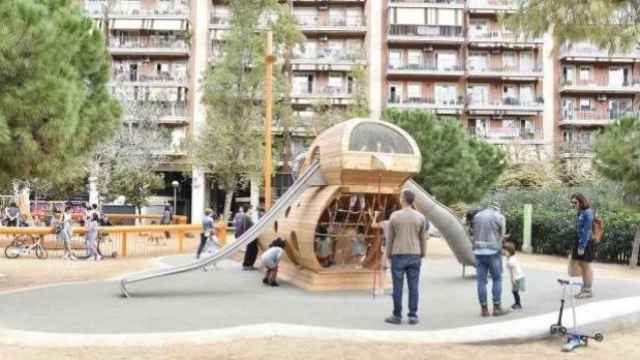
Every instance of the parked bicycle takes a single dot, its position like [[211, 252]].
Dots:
[[26, 245]]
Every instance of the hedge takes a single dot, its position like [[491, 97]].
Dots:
[[553, 221]]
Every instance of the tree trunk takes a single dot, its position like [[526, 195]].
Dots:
[[228, 196], [633, 261]]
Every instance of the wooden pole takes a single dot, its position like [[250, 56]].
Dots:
[[268, 102]]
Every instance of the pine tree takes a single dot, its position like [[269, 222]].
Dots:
[[456, 167], [54, 103]]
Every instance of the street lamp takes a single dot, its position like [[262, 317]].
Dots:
[[175, 185]]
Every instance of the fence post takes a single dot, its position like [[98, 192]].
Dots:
[[633, 261], [180, 241], [124, 244], [526, 229]]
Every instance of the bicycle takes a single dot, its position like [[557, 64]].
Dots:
[[20, 247], [101, 238]]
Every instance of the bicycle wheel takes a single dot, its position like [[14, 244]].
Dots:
[[41, 252], [12, 251]]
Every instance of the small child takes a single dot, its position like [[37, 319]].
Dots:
[[271, 259], [515, 272]]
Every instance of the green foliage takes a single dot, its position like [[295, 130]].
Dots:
[[617, 154], [608, 24], [359, 106], [553, 222], [135, 184], [54, 103], [455, 166], [532, 174]]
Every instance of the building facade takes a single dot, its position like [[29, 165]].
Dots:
[[452, 57]]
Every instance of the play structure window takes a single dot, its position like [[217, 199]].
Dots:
[[345, 235], [378, 138]]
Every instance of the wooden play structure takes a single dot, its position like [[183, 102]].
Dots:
[[332, 244]]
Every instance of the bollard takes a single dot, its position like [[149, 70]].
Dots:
[[526, 229], [124, 244]]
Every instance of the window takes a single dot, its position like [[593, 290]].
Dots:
[[447, 17], [510, 94], [526, 61], [568, 74], [395, 93], [303, 83], [509, 60], [618, 76], [526, 94], [568, 108], [478, 28], [395, 58], [336, 82], [414, 91], [337, 16], [478, 94], [414, 57], [354, 17], [375, 137], [618, 107], [446, 94], [585, 104], [585, 73], [410, 16], [478, 61], [446, 60], [306, 50]]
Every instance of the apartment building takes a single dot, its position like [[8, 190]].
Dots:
[[594, 88], [452, 57], [455, 58]]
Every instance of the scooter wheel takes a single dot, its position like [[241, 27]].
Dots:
[[598, 337], [553, 329]]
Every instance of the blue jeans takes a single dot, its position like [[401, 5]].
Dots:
[[410, 265], [489, 264]]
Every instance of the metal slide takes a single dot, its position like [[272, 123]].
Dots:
[[311, 177], [446, 221]]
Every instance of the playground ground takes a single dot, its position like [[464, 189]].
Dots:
[[27, 272]]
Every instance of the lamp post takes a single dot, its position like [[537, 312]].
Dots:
[[175, 184]]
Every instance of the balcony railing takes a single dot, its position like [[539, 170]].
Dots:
[[164, 109], [593, 115], [149, 42], [324, 91], [508, 102], [508, 133], [426, 31], [181, 10], [332, 55], [346, 21], [427, 67], [457, 2], [507, 69], [425, 101], [501, 36], [582, 148], [490, 4], [586, 85], [164, 77], [595, 52]]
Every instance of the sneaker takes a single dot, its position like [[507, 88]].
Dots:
[[99, 258], [516, 307], [413, 320], [584, 294], [484, 312], [499, 311], [265, 281], [249, 268], [274, 284], [393, 320], [572, 343]]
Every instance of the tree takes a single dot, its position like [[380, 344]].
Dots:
[[230, 148], [126, 164], [456, 167], [608, 24], [54, 103]]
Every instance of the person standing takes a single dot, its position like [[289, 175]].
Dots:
[[582, 252], [166, 220], [91, 237], [66, 233], [489, 228], [242, 222], [208, 227], [406, 248], [12, 215]]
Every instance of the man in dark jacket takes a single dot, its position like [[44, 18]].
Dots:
[[242, 222]]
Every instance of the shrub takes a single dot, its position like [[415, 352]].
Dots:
[[553, 220]]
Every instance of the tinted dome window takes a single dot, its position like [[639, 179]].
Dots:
[[378, 138]]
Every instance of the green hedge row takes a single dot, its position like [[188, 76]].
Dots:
[[553, 221]]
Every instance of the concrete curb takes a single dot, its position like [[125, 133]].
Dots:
[[602, 316]]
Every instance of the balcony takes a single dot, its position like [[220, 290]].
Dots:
[[328, 60], [441, 106], [347, 25], [503, 39], [428, 69], [333, 94], [150, 45], [458, 4], [592, 118], [492, 6], [168, 112], [412, 34], [589, 87], [180, 11], [164, 79], [517, 73], [576, 149], [506, 135], [507, 106], [587, 53]]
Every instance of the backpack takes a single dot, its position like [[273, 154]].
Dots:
[[597, 229]]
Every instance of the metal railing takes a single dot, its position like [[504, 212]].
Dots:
[[323, 91], [332, 55], [502, 36], [492, 4], [164, 77], [508, 69], [594, 115], [182, 10], [425, 101], [521, 133], [337, 21], [507, 102], [590, 83], [458, 2], [426, 31], [427, 67], [576, 148], [149, 42], [585, 50]]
